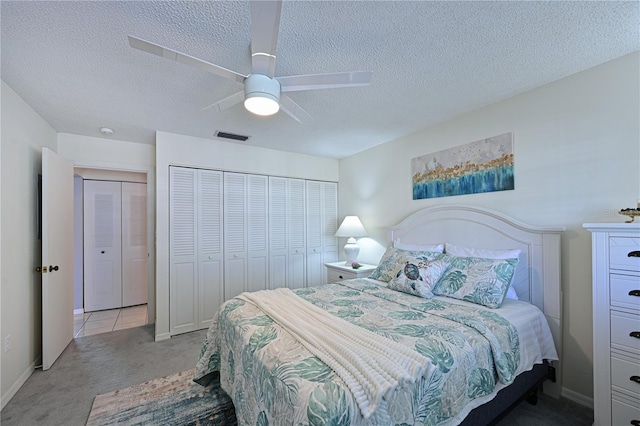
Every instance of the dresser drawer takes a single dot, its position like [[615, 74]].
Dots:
[[625, 291], [623, 413], [624, 253], [621, 373], [334, 275], [624, 329]]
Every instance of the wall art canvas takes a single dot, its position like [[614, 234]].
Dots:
[[482, 166]]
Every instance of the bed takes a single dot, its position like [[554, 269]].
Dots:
[[470, 362]]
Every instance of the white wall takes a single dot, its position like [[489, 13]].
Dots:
[[121, 156], [23, 134], [577, 159], [172, 149]]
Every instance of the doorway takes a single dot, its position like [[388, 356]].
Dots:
[[91, 316]]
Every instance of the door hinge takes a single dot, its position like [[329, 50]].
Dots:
[[42, 269]]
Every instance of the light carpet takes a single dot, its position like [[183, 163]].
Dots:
[[171, 400]]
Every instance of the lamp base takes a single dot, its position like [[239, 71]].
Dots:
[[351, 251]]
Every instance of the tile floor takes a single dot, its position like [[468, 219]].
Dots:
[[105, 321]]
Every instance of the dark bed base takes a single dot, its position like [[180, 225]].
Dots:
[[525, 386]]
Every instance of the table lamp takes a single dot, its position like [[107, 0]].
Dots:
[[351, 227]]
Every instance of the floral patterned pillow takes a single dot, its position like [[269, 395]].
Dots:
[[388, 266], [477, 280], [418, 276]]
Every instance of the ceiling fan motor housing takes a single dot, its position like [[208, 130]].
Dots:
[[259, 87]]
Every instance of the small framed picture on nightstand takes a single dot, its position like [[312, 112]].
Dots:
[[338, 271]]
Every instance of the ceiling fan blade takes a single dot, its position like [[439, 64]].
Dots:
[[265, 24], [294, 83], [227, 102], [293, 109], [167, 53]]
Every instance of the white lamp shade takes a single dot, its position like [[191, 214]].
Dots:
[[351, 227]]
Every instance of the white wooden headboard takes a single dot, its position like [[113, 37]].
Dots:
[[537, 277]]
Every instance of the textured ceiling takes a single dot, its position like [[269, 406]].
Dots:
[[431, 61]]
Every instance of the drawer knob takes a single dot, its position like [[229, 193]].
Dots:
[[341, 277], [634, 293], [635, 334], [635, 253], [635, 379]]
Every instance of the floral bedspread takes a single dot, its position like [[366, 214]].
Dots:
[[273, 380]]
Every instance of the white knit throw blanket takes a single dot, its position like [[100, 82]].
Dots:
[[372, 366]]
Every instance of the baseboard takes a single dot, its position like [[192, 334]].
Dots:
[[577, 397], [163, 336], [78, 311], [17, 385]]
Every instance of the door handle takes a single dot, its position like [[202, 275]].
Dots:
[[635, 379], [635, 253], [634, 293], [53, 268], [635, 334]]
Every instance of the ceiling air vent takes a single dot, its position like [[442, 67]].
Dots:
[[232, 136]]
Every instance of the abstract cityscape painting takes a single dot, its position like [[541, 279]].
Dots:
[[482, 166]]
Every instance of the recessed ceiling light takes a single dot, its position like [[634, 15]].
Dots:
[[106, 131]]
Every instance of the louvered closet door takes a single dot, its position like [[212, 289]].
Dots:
[[102, 245], [235, 234], [296, 230], [329, 224], [210, 258], [183, 261], [257, 233], [314, 233], [135, 259], [278, 244]]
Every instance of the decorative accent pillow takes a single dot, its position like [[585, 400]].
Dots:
[[462, 251], [439, 248], [476, 280], [417, 276], [387, 268]]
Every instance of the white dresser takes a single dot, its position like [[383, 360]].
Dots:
[[616, 322]]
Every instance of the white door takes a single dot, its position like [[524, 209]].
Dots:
[[296, 231], [329, 225], [235, 234], [135, 257], [102, 245], [278, 246], [57, 252], [183, 267], [209, 242], [315, 267], [257, 233]]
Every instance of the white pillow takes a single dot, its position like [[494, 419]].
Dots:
[[462, 251], [439, 248], [511, 292]]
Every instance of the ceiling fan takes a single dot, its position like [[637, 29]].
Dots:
[[263, 93]]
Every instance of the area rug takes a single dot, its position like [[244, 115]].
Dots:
[[171, 400]]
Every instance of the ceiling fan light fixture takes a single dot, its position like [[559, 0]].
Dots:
[[261, 94]]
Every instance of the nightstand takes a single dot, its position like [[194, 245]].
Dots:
[[338, 271]]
